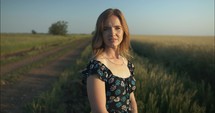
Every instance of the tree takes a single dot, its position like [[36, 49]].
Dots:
[[58, 28], [93, 32], [33, 32]]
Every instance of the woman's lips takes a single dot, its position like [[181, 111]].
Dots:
[[113, 39]]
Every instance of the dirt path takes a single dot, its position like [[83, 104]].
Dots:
[[15, 65], [14, 97]]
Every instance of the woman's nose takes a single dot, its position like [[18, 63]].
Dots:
[[112, 31]]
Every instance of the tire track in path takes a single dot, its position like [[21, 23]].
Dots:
[[36, 81], [16, 65]]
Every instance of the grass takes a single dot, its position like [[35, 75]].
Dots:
[[12, 43], [161, 92], [163, 70], [157, 92], [15, 47], [188, 56], [173, 74], [13, 76], [66, 95]]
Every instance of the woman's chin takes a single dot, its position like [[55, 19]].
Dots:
[[114, 46]]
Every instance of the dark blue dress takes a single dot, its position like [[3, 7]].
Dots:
[[117, 89]]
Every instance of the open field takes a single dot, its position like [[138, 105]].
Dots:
[[31, 75], [191, 56], [16, 46], [174, 75], [14, 43]]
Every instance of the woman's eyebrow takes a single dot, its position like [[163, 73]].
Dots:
[[117, 26], [113, 26]]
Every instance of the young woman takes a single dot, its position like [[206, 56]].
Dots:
[[109, 75]]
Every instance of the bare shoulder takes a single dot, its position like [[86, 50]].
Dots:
[[101, 59]]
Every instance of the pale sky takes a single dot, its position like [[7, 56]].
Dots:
[[155, 17]]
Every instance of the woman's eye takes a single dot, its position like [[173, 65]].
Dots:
[[118, 28], [105, 29]]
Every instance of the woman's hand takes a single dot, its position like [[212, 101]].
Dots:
[[133, 103]]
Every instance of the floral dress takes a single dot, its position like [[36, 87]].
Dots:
[[117, 89]]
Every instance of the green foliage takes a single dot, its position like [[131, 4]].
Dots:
[[13, 76], [196, 60], [160, 92], [170, 78], [58, 28], [33, 32], [13, 43], [93, 32]]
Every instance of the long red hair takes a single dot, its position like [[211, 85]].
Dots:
[[97, 40]]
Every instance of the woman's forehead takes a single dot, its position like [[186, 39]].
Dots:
[[112, 21]]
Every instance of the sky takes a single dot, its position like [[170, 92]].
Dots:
[[144, 17]]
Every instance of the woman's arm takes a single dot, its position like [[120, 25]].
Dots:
[[133, 103], [96, 94]]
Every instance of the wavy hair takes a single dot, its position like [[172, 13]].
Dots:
[[98, 45]]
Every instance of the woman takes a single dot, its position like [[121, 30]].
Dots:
[[109, 75]]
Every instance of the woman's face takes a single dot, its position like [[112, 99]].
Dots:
[[112, 32]]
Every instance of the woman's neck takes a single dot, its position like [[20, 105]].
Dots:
[[111, 53]]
